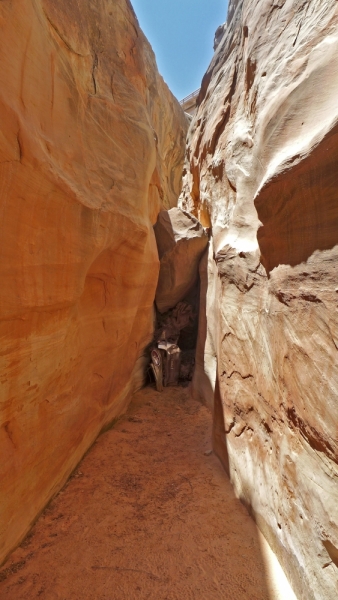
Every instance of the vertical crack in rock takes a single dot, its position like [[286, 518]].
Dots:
[[94, 68]]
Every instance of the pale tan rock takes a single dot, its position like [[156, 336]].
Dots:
[[91, 148], [181, 241], [261, 170]]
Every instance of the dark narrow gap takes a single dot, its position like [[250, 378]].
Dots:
[[181, 242], [177, 326]]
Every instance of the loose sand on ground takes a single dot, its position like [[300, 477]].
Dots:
[[148, 514]]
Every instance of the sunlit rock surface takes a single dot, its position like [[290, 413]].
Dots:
[[262, 171], [91, 148], [181, 241]]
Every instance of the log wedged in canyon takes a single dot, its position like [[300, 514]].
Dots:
[[91, 149], [261, 172]]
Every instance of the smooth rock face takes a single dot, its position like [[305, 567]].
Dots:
[[91, 148], [261, 170], [181, 241]]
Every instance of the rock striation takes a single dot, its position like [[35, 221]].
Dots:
[[91, 149], [261, 171], [181, 241]]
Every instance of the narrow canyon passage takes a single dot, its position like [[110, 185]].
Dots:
[[149, 513], [133, 235]]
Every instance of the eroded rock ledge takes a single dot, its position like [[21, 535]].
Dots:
[[261, 171], [91, 149]]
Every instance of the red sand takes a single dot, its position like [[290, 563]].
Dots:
[[149, 514]]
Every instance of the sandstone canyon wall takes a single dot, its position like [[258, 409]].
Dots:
[[262, 173], [91, 149]]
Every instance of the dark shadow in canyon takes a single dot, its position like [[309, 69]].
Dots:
[[201, 387]]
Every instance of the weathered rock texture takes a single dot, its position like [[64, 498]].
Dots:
[[91, 148], [262, 171], [181, 241]]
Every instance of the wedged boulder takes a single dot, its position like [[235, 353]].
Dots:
[[181, 241]]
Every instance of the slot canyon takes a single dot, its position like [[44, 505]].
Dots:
[[126, 224]]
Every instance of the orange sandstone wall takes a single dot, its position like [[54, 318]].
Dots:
[[262, 172], [91, 148]]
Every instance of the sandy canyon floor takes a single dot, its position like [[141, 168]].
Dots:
[[148, 514]]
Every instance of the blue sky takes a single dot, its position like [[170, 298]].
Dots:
[[181, 33]]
